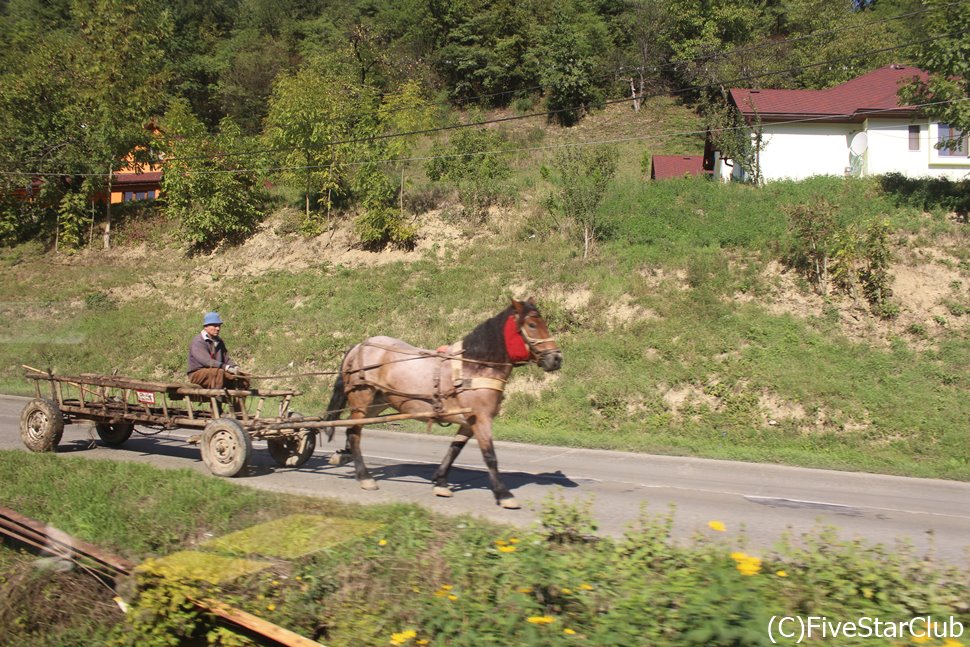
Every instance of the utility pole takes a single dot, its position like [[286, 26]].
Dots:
[[107, 221]]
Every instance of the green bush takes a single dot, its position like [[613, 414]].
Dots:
[[472, 161]]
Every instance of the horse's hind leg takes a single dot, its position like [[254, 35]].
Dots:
[[364, 477], [360, 402], [440, 477]]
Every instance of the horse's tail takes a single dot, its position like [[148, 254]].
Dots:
[[338, 400]]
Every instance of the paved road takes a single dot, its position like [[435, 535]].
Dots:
[[763, 500]]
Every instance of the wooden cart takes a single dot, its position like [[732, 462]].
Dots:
[[230, 419]]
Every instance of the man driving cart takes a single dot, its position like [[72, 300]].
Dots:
[[210, 365]]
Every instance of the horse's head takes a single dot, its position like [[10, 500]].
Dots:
[[543, 349]]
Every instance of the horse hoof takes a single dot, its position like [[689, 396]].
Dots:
[[510, 503], [442, 491], [340, 458], [369, 484]]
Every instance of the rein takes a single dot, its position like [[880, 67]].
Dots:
[[530, 343]]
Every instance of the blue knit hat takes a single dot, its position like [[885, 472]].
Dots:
[[211, 318]]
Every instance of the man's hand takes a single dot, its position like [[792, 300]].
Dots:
[[233, 369]]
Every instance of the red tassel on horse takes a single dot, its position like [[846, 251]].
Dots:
[[514, 344]]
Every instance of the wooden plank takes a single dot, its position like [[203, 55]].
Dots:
[[118, 563], [254, 623], [35, 533], [348, 422]]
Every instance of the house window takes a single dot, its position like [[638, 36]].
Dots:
[[957, 146], [134, 196], [914, 138]]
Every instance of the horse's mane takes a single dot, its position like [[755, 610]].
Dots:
[[487, 341]]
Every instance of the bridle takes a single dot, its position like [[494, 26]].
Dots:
[[532, 342]]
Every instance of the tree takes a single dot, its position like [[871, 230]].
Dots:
[[117, 60], [78, 90], [209, 191], [842, 33], [581, 177], [568, 63], [946, 56], [403, 111], [250, 64], [736, 139], [314, 115]]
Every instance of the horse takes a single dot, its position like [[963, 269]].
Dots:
[[382, 372]]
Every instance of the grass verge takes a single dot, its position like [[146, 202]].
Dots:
[[407, 577]]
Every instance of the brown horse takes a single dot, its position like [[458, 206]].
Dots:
[[383, 372]]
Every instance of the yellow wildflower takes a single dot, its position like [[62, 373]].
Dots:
[[746, 564], [506, 549], [920, 639], [382, 542], [500, 542], [586, 587], [452, 597], [951, 642], [567, 591], [717, 525], [271, 607], [569, 632], [524, 589], [402, 637], [422, 641], [540, 620], [513, 540], [781, 573]]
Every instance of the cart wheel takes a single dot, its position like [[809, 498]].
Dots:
[[293, 449], [114, 435], [41, 425], [225, 447]]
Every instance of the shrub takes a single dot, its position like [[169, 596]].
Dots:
[[473, 161]]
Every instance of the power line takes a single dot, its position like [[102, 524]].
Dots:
[[486, 122], [619, 140], [670, 65], [548, 113]]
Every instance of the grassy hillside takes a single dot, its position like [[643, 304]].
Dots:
[[686, 333]]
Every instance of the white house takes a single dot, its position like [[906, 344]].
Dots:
[[856, 128]]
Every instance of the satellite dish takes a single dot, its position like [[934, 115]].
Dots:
[[859, 143]]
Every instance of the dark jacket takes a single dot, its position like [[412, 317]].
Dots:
[[208, 353]]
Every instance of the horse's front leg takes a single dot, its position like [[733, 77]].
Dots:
[[440, 477], [482, 427], [364, 477]]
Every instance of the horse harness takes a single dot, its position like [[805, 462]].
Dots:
[[459, 383]]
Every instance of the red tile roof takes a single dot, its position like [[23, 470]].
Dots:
[[663, 167], [851, 101], [121, 179]]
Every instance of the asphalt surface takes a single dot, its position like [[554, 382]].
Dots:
[[758, 503]]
